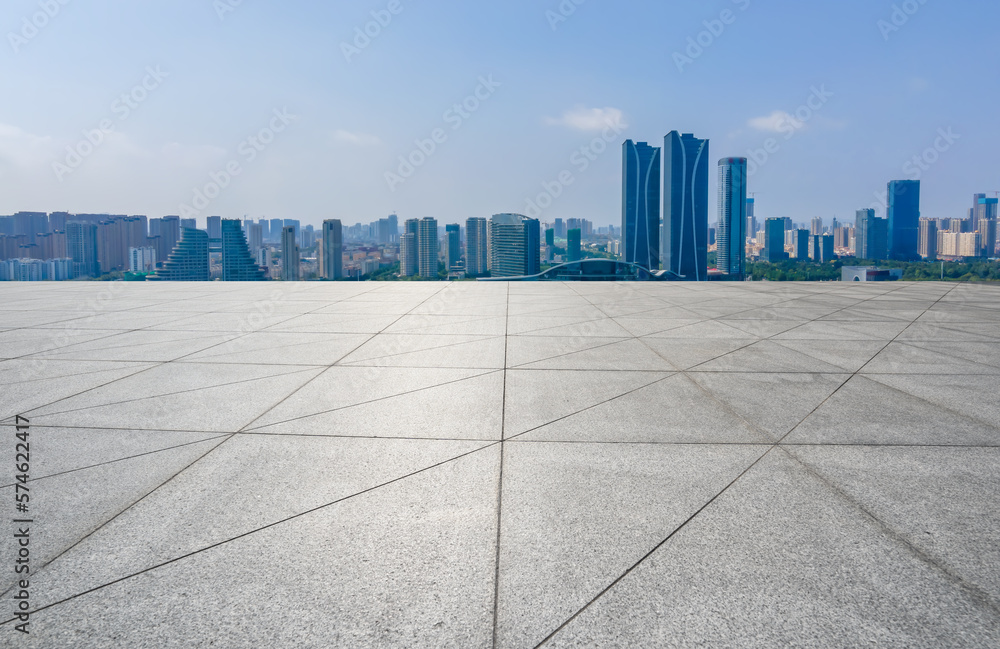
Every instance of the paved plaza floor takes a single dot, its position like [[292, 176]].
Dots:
[[479, 465]]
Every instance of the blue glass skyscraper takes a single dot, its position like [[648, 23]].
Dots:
[[904, 219], [684, 240], [641, 204], [731, 239]]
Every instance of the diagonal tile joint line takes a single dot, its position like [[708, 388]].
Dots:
[[776, 445]]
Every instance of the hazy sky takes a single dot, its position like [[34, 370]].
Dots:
[[550, 76]]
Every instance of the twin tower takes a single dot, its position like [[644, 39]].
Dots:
[[679, 242]]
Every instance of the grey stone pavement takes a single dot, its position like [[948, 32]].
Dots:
[[489, 465]]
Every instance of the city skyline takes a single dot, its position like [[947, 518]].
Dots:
[[332, 134]]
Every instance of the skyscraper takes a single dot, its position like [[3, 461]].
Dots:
[[81, 246], [476, 251], [515, 245], [641, 204], [408, 263], [276, 225], [903, 219], [238, 263], [574, 245], [774, 240], [214, 227], [872, 236], [731, 238], [188, 262], [816, 227], [684, 240], [333, 250], [928, 239], [800, 241], [427, 247], [751, 219], [984, 221], [453, 246], [290, 265]]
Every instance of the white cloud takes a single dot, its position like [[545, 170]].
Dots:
[[589, 119], [777, 122], [357, 139]]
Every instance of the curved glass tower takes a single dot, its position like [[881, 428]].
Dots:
[[684, 242], [641, 204]]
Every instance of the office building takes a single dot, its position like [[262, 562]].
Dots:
[[560, 229], [453, 246], [332, 267], [821, 248], [290, 264], [276, 226], [427, 247], [515, 245], [188, 262], [774, 241], [238, 263], [476, 250], [684, 237], [574, 245], [731, 237], [640, 204], [800, 244], [903, 219], [871, 233]]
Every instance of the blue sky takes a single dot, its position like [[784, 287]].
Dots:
[[551, 77]]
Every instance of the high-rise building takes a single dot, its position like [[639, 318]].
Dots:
[[238, 263], [515, 245], [872, 236], [928, 239], [684, 238], [774, 241], [903, 219], [333, 250], [188, 262], [821, 248], [800, 242], [816, 227], [214, 227], [560, 229], [731, 237], [255, 237], [290, 264], [81, 247], [453, 246], [408, 261], [641, 204], [751, 219], [427, 247], [476, 250], [142, 260], [277, 225], [574, 244], [393, 228]]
